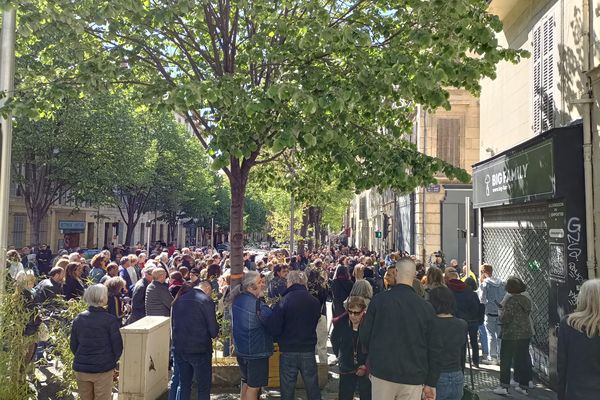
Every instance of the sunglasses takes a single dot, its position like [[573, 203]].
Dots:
[[355, 312]]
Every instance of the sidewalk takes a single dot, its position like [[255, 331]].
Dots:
[[487, 378]]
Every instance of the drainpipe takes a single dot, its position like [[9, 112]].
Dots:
[[587, 143], [424, 189]]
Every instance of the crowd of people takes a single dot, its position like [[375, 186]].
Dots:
[[398, 329]]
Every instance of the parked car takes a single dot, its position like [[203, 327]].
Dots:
[[88, 254]]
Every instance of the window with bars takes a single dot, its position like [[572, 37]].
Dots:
[[19, 230], [448, 140], [543, 74]]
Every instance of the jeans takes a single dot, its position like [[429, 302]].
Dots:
[[493, 330], [194, 366], [483, 338], [350, 382], [450, 386], [174, 386], [289, 365], [515, 353]]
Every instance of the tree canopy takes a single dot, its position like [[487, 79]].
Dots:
[[340, 80]]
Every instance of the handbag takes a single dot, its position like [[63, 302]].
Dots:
[[469, 392]]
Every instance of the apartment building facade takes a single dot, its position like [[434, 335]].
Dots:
[[431, 218], [540, 152]]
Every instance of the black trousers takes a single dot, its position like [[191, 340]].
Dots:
[[473, 331], [350, 382], [515, 353]]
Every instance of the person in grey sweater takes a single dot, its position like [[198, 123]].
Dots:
[[158, 297]]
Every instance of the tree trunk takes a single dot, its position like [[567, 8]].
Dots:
[[318, 213], [238, 180], [35, 219], [303, 231], [131, 224]]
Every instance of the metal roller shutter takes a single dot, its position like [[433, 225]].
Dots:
[[515, 242]]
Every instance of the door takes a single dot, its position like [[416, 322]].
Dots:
[[90, 235], [71, 240]]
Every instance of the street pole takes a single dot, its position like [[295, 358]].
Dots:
[[7, 82], [292, 211], [212, 233], [468, 234], [149, 227]]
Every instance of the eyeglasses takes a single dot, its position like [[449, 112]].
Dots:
[[355, 312]]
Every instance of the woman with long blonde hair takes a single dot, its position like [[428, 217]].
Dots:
[[579, 347]]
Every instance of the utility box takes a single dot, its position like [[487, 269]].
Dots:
[[144, 365]]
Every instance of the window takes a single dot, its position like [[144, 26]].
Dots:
[[362, 213], [162, 232], [141, 239], [19, 230], [543, 75], [448, 140]]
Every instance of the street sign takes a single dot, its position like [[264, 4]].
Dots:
[[378, 234]]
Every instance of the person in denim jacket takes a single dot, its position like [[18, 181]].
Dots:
[[252, 339], [492, 294]]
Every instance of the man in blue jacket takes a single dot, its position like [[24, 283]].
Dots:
[[253, 342], [294, 324], [194, 326]]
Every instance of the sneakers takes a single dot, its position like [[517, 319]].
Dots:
[[489, 361], [521, 390], [502, 391]]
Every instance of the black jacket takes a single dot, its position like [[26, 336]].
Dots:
[[345, 343], [46, 291], [294, 320], [467, 302], [73, 288], [398, 331], [578, 364], [96, 341], [138, 301], [340, 290]]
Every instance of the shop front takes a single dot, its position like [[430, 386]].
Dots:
[[71, 231], [531, 205]]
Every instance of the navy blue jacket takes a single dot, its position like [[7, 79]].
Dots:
[[467, 302], [193, 323], [96, 341], [73, 288], [578, 364], [294, 320], [250, 330]]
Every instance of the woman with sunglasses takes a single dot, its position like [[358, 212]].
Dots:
[[351, 355]]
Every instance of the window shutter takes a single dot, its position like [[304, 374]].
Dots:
[[543, 75], [448, 140], [537, 79], [548, 76], [362, 213]]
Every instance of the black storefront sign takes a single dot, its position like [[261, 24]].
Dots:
[[523, 176]]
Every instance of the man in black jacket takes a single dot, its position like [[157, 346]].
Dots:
[[294, 323], [467, 308], [138, 298], [403, 348]]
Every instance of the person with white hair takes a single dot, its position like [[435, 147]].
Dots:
[[398, 332], [579, 347], [253, 341], [158, 297], [97, 346], [294, 324]]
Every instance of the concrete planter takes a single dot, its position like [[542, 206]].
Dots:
[[226, 373]]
